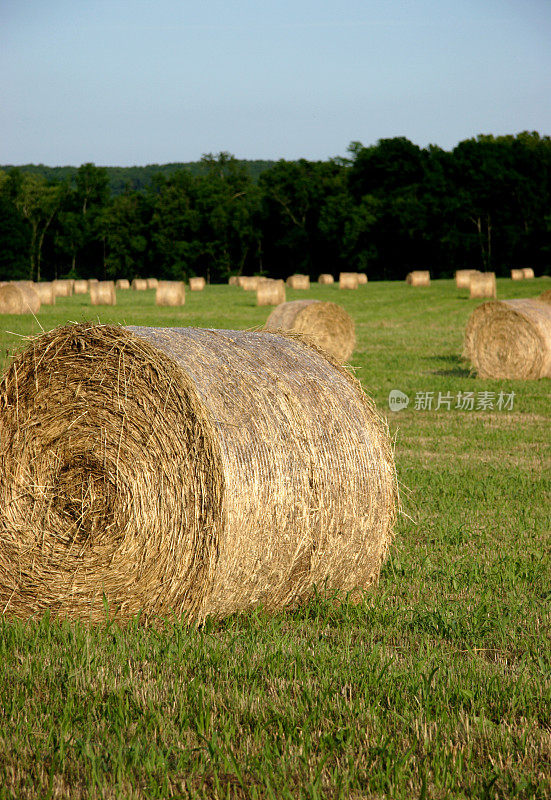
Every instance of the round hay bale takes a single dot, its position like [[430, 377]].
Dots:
[[298, 282], [348, 280], [362, 279], [103, 294], [187, 471], [249, 282], [325, 279], [510, 339], [270, 293], [517, 274], [139, 284], [12, 299], [233, 280], [46, 292], [463, 278], [80, 287], [122, 283], [419, 277], [545, 297], [63, 287], [31, 298], [326, 324], [197, 284], [528, 273], [151, 283], [483, 284], [170, 293]]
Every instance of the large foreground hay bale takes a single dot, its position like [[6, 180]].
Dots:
[[325, 279], [186, 471], [63, 287], [348, 280], [326, 324], [298, 281], [419, 277], [528, 273], [517, 274], [46, 292], [80, 287], [139, 284], [31, 298], [151, 283], [197, 284], [170, 293], [270, 293], [463, 278], [483, 284], [510, 339], [103, 294], [122, 283]]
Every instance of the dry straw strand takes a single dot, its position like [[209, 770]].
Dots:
[[197, 284], [328, 325], [510, 339], [103, 294], [325, 279], [348, 280], [270, 293], [170, 293], [483, 284], [186, 471]]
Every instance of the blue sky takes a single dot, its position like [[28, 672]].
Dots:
[[127, 82]]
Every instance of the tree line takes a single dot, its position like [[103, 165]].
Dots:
[[384, 210]]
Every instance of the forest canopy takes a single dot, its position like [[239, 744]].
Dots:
[[384, 209]]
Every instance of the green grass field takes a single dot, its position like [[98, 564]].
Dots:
[[438, 685]]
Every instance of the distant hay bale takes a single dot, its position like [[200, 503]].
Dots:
[[419, 277], [139, 284], [463, 278], [80, 287], [103, 294], [327, 324], [233, 280], [197, 284], [325, 279], [270, 293], [348, 280], [483, 284], [517, 274], [545, 297], [298, 282], [12, 300], [186, 471], [510, 339], [362, 279], [31, 298], [151, 283], [170, 293], [528, 273], [249, 283], [46, 292], [63, 287], [122, 283]]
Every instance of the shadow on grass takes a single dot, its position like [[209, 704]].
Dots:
[[456, 366]]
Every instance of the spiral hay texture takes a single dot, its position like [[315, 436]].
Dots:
[[170, 293], [103, 294], [270, 293], [122, 283], [510, 339], [325, 279], [196, 284], [13, 300], [192, 471], [139, 284], [348, 280], [483, 284], [46, 292], [80, 287], [298, 282], [419, 277], [326, 324]]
